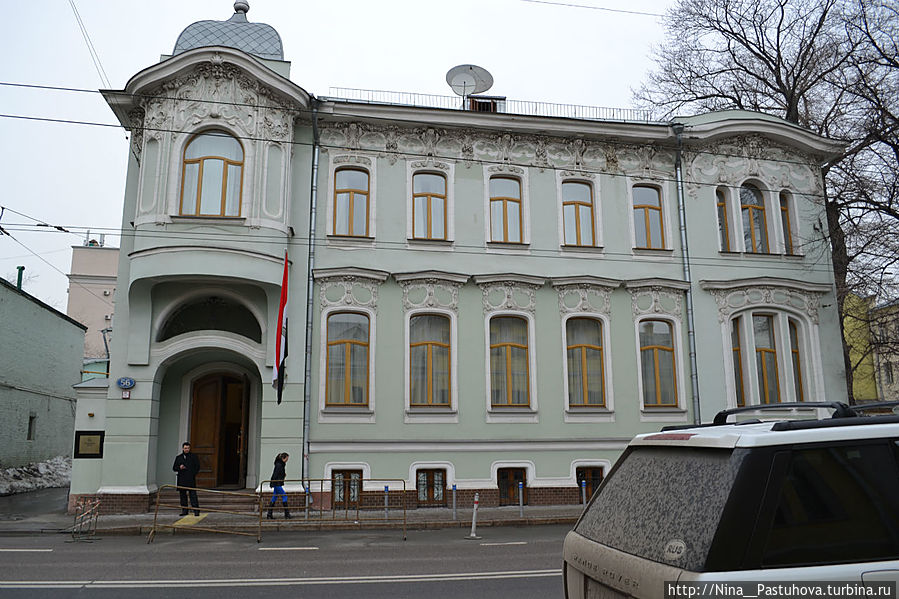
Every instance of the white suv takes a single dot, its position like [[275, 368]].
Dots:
[[789, 500]]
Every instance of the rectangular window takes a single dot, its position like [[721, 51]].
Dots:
[[657, 364], [648, 223], [431, 487], [577, 213], [505, 210], [586, 375], [32, 422], [797, 362], [591, 476], [429, 356], [351, 195], [723, 225], [428, 206], [786, 223], [347, 360], [737, 353], [509, 376], [766, 358], [508, 479], [888, 373]]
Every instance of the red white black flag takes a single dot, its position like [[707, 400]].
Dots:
[[281, 340]]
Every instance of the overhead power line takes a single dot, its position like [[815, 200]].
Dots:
[[95, 57], [602, 8]]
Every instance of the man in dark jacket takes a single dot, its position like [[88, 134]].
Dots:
[[187, 466]]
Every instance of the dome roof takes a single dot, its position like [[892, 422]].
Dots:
[[258, 39]]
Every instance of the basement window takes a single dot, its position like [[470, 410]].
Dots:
[[32, 420]]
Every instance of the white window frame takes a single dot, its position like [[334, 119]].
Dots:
[[514, 172], [792, 211], [438, 167], [736, 241], [590, 414], [359, 161], [347, 413], [666, 220], [663, 414], [512, 414], [431, 414], [773, 230], [587, 179]]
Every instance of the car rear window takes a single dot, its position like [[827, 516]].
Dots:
[[663, 503]]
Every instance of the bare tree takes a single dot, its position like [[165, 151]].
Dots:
[[831, 66]]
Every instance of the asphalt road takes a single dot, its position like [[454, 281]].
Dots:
[[507, 562]]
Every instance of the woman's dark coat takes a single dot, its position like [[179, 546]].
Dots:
[[278, 474]]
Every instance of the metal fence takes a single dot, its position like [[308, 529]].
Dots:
[[519, 107], [257, 516], [87, 514]]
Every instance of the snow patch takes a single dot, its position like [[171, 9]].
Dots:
[[55, 472]]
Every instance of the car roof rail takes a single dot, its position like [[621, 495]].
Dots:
[[798, 425], [874, 405], [680, 427], [840, 409]]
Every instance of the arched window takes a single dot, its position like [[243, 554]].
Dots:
[[429, 352], [786, 222], [766, 357], [212, 175], [586, 373], [577, 213], [649, 226], [347, 359], [657, 364], [428, 206], [509, 376], [723, 225], [351, 210], [505, 210], [755, 224]]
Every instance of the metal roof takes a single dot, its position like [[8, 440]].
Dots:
[[257, 39]]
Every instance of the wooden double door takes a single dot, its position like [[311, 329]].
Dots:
[[219, 416]]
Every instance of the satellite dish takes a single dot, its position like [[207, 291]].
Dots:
[[467, 79]]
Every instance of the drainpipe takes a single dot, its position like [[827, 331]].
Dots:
[[678, 129], [21, 270], [310, 264]]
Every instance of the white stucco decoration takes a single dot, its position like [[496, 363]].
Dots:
[[354, 287], [657, 297], [431, 289], [509, 292], [590, 295], [743, 294]]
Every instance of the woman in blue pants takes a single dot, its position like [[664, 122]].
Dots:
[[277, 484]]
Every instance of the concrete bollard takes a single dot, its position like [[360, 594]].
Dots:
[[455, 514], [386, 501], [520, 499], [474, 520], [584, 492]]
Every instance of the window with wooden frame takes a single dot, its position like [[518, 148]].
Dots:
[[786, 222], [346, 487], [723, 224], [649, 224], [509, 375], [657, 364], [590, 476], [755, 222], [586, 371], [577, 213], [347, 360], [507, 479], [737, 352], [212, 175], [766, 358], [351, 202], [429, 356], [505, 210], [429, 206], [431, 487], [797, 360]]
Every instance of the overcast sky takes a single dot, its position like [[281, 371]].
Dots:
[[73, 175]]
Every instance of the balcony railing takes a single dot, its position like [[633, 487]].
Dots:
[[519, 107]]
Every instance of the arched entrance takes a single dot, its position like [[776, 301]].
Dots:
[[219, 416]]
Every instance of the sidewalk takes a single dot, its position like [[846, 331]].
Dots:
[[44, 512]]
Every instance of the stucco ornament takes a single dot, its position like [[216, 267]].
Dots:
[[585, 298], [732, 161], [352, 159], [514, 170], [656, 300], [578, 148], [730, 301], [429, 137], [509, 295], [431, 164], [136, 116], [430, 292], [349, 291]]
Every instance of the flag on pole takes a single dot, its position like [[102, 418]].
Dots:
[[281, 339]]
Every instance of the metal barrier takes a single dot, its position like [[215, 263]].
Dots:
[[257, 516], [87, 513], [357, 500]]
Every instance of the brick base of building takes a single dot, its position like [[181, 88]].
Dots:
[[113, 503]]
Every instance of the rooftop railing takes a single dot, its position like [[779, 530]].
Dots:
[[519, 107]]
